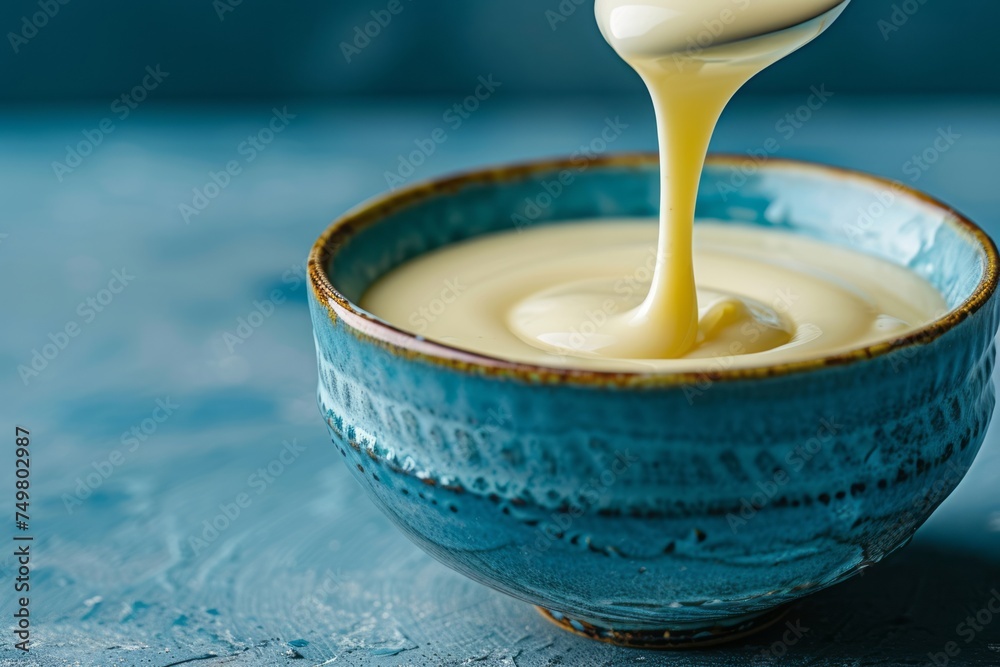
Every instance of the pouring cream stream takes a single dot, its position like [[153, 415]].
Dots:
[[693, 56], [621, 295]]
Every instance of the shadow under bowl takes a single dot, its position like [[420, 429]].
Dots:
[[665, 509]]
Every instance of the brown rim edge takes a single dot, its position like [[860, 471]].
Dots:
[[412, 346]]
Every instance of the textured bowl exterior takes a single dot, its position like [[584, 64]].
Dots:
[[644, 502]]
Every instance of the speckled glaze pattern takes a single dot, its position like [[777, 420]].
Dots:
[[634, 503]]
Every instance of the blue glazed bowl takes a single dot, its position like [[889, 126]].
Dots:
[[658, 509]]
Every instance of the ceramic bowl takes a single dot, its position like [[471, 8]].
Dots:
[[662, 509]]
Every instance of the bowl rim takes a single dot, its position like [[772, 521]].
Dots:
[[412, 346]]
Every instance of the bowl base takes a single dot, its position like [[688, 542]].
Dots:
[[688, 637]]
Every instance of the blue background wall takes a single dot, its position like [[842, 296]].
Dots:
[[99, 49]]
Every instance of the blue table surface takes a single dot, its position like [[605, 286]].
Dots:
[[309, 572]]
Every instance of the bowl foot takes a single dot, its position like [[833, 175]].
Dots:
[[689, 636]]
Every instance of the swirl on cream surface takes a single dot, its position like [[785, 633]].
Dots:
[[767, 297]]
